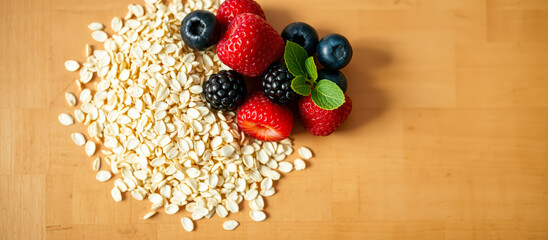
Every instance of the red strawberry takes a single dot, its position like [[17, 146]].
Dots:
[[229, 9], [263, 120], [320, 122], [250, 45]]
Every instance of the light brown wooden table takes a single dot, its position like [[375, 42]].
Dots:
[[448, 138]]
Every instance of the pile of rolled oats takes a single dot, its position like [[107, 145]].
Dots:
[[165, 144]]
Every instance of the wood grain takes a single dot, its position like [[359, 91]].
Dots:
[[448, 138]]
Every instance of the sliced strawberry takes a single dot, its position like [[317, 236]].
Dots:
[[263, 120]]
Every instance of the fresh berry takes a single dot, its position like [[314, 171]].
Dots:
[[250, 45], [335, 76], [200, 30], [229, 9], [225, 90], [276, 84], [320, 122], [263, 120], [334, 51], [302, 34]]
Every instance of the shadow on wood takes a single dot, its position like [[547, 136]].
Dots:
[[368, 101]]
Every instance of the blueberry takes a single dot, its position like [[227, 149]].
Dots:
[[334, 51], [200, 30], [302, 34], [335, 76]]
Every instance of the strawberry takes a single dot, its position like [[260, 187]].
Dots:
[[250, 45], [229, 9], [263, 120], [321, 122]]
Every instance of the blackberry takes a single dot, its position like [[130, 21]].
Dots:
[[276, 84], [225, 90]]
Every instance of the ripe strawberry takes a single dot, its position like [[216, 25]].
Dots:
[[250, 45], [263, 120], [229, 9], [320, 122]]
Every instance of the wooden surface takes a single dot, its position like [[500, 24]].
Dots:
[[448, 138]]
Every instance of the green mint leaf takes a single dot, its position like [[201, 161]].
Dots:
[[327, 95], [295, 56], [311, 68], [299, 85]]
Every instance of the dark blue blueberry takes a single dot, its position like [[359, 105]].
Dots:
[[200, 30], [335, 76], [334, 51], [302, 34]]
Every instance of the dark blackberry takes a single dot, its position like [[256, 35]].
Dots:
[[276, 84], [225, 90]]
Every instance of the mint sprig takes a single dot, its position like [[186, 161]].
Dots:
[[298, 84], [324, 93], [311, 68], [327, 94], [295, 56]]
